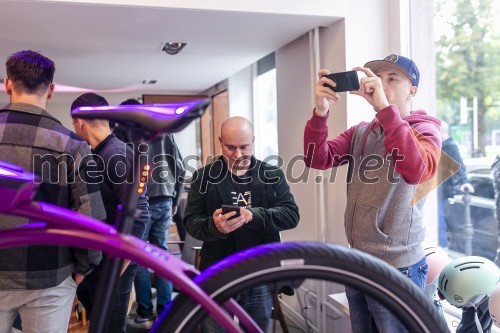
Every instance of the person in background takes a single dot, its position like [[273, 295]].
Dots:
[[388, 158], [164, 192], [114, 161], [125, 134], [456, 184], [39, 282], [265, 203], [495, 169], [178, 220]]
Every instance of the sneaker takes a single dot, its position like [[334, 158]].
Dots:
[[139, 322]]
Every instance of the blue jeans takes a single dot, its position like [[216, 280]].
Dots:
[[257, 302], [156, 233], [364, 308]]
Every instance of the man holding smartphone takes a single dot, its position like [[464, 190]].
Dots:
[[388, 158], [266, 207]]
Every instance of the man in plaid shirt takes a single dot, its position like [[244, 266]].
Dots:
[[39, 282]]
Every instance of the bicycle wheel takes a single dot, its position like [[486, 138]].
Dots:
[[297, 264]]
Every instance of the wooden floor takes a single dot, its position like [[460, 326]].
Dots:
[[76, 326]]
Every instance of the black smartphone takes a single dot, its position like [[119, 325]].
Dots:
[[229, 208], [346, 81]]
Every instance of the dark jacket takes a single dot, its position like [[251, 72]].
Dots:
[[451, 186], [168, 170], [273, 209], [31, 138], [114, 160]]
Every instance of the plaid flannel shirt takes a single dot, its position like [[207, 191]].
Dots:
[[33, 139]]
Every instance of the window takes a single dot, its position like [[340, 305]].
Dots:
[[265, 110], [467, 46]]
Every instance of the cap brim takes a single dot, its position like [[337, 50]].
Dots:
[[377, 65]]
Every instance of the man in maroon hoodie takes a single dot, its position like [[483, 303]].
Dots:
[[388, 157]]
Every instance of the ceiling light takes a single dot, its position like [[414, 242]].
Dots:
[[173, 47], [148, 81]]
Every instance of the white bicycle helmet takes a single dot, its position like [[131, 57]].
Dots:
[[494, 306], [437, 259], [466, 278]]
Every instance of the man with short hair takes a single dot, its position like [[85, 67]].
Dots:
[[114, 160], [265, 203], [388, 158], [39, 282]]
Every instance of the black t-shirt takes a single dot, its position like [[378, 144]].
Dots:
[[241, 193], [241, 196]]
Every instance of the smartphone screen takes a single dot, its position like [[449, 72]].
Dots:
[[346, 81], [228, 208]]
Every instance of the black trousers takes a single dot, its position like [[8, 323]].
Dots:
[[86, 293]]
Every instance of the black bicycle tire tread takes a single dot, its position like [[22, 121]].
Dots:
[[313, 253]]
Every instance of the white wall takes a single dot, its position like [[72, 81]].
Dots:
[[294, 100], [240, 91], [332, 47], [312, 7]]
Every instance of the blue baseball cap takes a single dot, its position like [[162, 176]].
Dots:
[[397, 62]]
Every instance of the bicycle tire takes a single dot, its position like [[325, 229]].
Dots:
[[298, 260]]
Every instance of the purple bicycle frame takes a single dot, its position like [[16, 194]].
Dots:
[[60, 226], [65, 227]]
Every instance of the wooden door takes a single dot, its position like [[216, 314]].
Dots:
[[220, 110]]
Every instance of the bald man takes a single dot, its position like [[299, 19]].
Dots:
[[266, 207]]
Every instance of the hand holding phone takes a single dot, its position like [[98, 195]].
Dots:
[[345, 81], [229, 208]]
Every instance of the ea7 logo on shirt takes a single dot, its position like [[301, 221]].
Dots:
[[242, 199]]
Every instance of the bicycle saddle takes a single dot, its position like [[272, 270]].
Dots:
[[157, 118]]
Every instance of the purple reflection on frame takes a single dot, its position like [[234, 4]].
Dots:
[[6, 172]]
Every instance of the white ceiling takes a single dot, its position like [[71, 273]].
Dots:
[[113, 47]]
